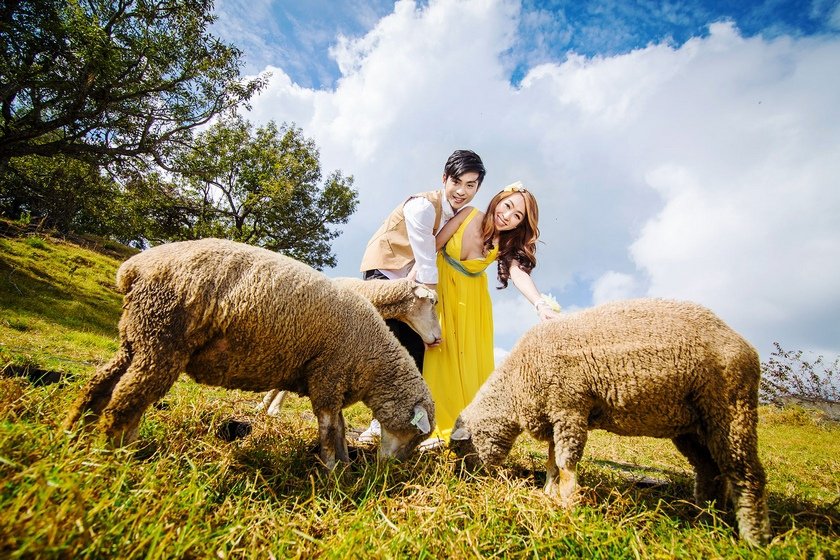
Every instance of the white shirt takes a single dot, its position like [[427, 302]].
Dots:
[[419, 216]]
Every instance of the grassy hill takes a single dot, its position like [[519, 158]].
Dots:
[[58, 308], [212, 478]]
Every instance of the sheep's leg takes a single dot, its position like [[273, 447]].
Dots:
[[751, 503], [341, 445], [277, 403], [709, 485], [567, 450], [552, 473], [272, 402], [145, 382], [97, 393], [735, 448], [331, 434], [266, 402]]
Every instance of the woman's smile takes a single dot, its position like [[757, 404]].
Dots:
[[510, 212]]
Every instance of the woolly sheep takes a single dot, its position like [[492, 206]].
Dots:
[[644, 367], [241, 317], [401, 299]]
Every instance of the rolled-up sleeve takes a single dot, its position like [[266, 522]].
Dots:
[[420, 222]]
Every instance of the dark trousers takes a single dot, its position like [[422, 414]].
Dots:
[[405, 334]]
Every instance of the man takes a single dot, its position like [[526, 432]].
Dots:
[[405, 243]]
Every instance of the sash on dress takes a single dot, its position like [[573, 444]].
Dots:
[[458, 266]]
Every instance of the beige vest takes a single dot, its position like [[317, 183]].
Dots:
[[389, 248]]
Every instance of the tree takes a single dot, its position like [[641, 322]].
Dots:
[[262, 187], [106, 80], [787, 374], [154, 210], [74, 196], [60, 193]]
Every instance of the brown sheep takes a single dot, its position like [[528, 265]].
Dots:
[[402, 299], [242, 317], [643, 367]]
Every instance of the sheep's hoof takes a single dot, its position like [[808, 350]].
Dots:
[[564, 495], [353, 452]]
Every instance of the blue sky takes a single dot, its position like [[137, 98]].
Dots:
[[685, 150], [297, 35]]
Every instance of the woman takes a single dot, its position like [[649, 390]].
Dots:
[[471, 241]]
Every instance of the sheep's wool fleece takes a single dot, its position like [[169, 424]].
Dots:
[[393, 299], [636, 367], [256, 320]]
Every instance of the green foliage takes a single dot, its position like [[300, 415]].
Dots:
[[154, 210], [107, 79], [65, 194], [100, 98], [261, 187], [790, 374], [36, 243], [24, 219]]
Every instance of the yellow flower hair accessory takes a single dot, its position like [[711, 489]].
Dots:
[[514, 187]]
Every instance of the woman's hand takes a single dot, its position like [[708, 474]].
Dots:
[[545, 312], [546, 306]]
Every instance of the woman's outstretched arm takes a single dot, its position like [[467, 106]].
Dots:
[[525, 284]]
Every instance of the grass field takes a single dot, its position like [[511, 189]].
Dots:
[[189, 488]]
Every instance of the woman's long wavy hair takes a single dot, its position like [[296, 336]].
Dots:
[[519, 243]]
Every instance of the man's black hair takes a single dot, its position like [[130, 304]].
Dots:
[[464, 161]]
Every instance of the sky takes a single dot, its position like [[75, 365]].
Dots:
[[686, 149]]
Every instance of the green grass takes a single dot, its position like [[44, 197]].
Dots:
[[182, 491], [58, 307]]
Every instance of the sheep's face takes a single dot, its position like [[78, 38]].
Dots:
[[422, 316], [461, 443], [398, 443]]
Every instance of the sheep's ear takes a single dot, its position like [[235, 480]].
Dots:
[[422, 291], [461, 434], [421, 420]]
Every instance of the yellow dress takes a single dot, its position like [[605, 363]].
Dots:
[[457, 368]]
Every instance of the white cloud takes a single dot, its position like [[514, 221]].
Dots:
[[499, 355], [281, 96], [512, 315], [612, 286], [706, 172], [749, 224], [834, 17]]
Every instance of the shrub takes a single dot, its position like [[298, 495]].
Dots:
[[36, 243], [788, 374]]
